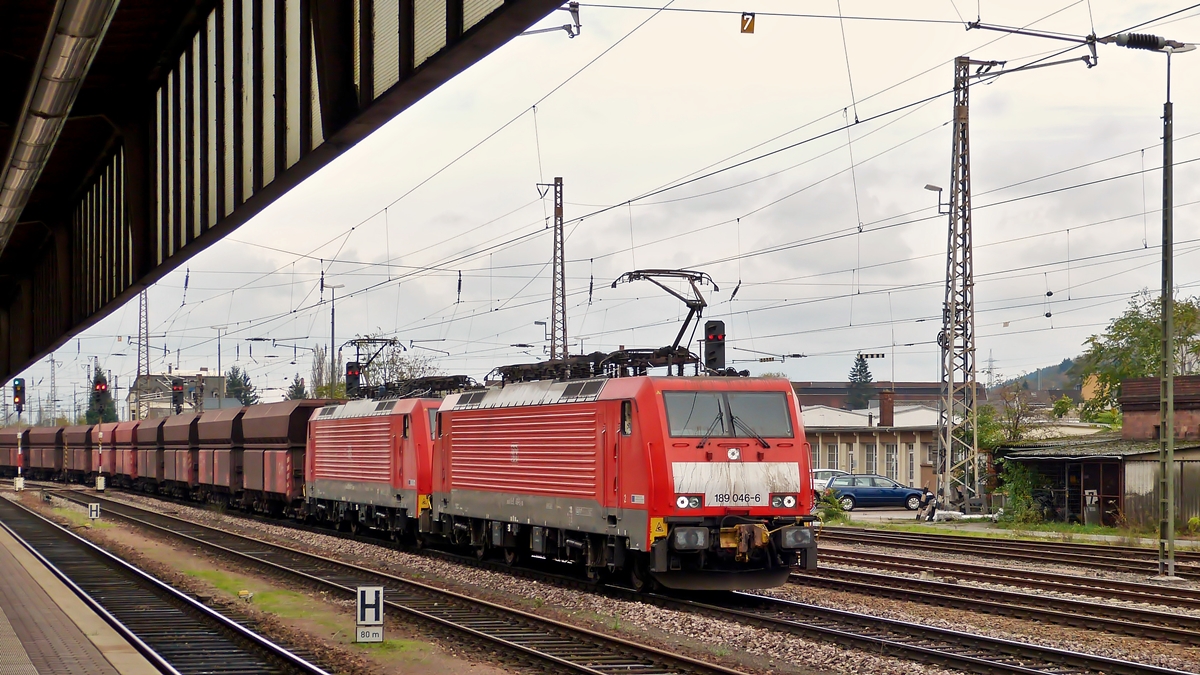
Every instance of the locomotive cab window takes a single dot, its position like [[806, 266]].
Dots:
[[766, 412], [695, 413], [626, 418], [439, 425], [406, 424], [739, 414], [433, 423]]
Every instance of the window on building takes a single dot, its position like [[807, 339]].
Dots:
[[850, 464], [815, 451], [890, 460], [930, 453], [871, 453], [912, 461], [831, 454]]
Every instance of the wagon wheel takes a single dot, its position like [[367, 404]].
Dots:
[[480, 552], [355, 528]]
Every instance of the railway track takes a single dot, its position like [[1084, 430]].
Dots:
[[176, 633], [1137, 622], [1127, 559], [965, 651], [1155, 594], [928, 644], [531, 638]]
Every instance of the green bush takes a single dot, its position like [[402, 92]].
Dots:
[[1193, 525], [829, 508], [1019, 482]]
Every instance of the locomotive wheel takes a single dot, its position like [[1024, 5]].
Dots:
[[640, 579], [511, 556]]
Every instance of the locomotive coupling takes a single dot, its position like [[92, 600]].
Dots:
[[745, 537]]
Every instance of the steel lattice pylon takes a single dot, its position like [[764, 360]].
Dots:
[[143, 407], [958, 460], [558, 286]]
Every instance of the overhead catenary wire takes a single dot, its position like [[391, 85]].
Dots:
[[740, 252]]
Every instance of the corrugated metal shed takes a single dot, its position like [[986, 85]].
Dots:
[[1141, 491]]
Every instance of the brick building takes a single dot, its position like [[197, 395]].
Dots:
[[889, 439], [1139, 408]]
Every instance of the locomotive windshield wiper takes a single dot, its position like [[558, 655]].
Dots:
[[717, 420], [750, 430]]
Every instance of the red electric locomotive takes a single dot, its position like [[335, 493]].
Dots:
[[367, 464], [692, 483]]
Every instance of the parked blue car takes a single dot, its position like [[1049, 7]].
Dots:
[[870, 490]]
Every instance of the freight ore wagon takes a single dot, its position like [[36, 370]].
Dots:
[[694, 483], [181, 460], [274, 436], [104, 446], [125, 448], [150, 454], [368, 464], [45, 453], [220, 434], [12, 456], [77, 453]]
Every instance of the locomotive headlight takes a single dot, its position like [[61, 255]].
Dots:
[[681, 502], [789, 502], [693, 502], [796, 537], [734, 454], [776, 502], [690, 538]]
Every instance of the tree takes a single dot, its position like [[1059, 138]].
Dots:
[[394, 364], [237, 385], [101, 407], [1016, 413], [320, 375], [860, 384], [296, 391], [1063, 406], [1131, 346]]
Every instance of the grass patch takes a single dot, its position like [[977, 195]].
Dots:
[[282, 603], [392, 646], [223, 581], [81, 519]]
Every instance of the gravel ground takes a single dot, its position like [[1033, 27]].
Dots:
[[738, 645], [1167, 655]]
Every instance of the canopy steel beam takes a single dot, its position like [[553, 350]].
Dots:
[[248, 98]]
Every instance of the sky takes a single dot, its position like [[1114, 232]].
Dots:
[[684, 143]]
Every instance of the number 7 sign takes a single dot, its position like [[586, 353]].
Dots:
[[747, 22]]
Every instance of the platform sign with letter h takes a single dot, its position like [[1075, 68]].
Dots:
[[94, 511], [368, 616]]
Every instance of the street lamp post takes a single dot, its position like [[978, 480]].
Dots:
[[1166, 400]]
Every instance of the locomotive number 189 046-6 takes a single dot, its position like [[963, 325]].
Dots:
[[736, 499]]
